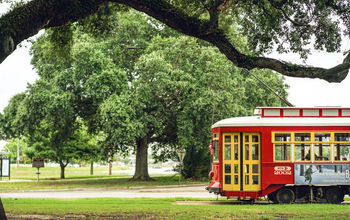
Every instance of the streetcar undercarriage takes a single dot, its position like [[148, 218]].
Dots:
[[312, 194]]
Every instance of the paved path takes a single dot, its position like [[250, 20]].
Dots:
[[197, 191]]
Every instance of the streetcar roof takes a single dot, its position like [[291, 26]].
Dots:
[[257, 121]]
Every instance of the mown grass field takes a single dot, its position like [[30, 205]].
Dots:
[[141, 208], [80, 178], [29, 173], [106, 183], [145, 208]]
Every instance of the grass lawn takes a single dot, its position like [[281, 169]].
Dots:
[[92, 183], [80, 178], [29, 173], [145, 208]]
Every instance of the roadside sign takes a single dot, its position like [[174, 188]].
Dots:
[[38, 162]]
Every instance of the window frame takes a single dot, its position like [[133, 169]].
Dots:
[[332, 145], [282, 142], [216, 138], [339, 142]]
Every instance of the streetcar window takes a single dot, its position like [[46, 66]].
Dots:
[[228, 139], [255, 151], [236, 168], [227, 151], [302, 152], [227, 168], [216, 150], [246, 170], [255, 168], [236, 179], [246, 179], [323, 137], [342, 152], [282, 137], [227, 179], [302, 137], [246, 148], [322, 152], [255, 180], [236, 151], [342, 136], [255, 138], [236, 139], [282, 152]]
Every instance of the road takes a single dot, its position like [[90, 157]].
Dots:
[[197, 191]]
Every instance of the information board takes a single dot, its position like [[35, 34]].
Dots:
[[5, 167], [5, 171], [38, 162]]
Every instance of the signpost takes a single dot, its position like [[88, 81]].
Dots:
[[181, 153], [38, 163]]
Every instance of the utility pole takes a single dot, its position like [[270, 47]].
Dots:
[[18, 152], [110, 163]]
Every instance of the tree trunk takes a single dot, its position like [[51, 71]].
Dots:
[[141, 168], [63, 166], [2, 211], [92, 168], [110, 164]]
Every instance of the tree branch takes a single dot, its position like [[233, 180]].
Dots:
[[279, 7], [195, 27], [21, 23], [27, 20]]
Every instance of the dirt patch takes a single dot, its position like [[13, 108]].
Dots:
[[46, 217], [122, 216], [219, 202]]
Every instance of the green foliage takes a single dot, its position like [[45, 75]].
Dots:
[[11, 125], [119, 124], [187, 87], [25, 151], [140, 81]]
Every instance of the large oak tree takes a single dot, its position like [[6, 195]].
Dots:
[[288, 25]]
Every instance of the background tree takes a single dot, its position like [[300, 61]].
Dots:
[[188, 86], [25, 152], [149, 108], [97, 67], [166, 94], [11, 124]]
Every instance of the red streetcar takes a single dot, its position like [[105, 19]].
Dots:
[[288, 154]]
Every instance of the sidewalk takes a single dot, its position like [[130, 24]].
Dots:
[[196, 191]]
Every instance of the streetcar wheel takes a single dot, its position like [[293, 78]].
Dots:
[[334, 195], [285, 196], [272, 197]]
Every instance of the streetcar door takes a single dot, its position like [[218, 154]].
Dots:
[[241, 161], [231, 161], [251, 162]]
